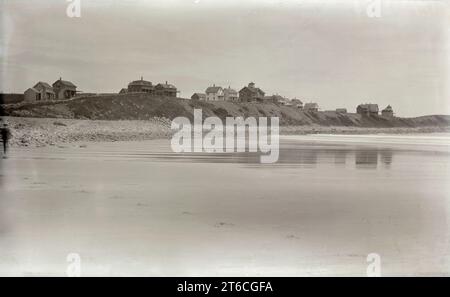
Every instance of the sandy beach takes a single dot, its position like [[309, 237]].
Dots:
[[35, 132], [137, 209]]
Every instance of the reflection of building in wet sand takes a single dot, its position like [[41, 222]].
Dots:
[[340, 157], [308, 157], [386, 157], [369, 158], [337, 157], [366, 158], [363, 158], [298, 156]]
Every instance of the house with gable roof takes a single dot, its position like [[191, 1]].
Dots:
[[214, 93], [165, 90], [39, 92], [251, 93], [64, 89]]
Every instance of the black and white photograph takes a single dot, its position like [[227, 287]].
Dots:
[[213, 138]]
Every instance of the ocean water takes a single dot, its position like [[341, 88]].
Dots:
[[137, 208]]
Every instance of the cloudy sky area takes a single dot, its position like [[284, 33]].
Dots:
[[330, 52]]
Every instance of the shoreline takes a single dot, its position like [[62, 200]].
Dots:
[[38, 132]]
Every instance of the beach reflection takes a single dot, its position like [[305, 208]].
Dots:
[[366, 159], [362, 158]]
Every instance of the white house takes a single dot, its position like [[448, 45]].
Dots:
[[230, 95], [214, 93]]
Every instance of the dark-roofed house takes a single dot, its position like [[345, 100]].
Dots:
[[251, 93], [311, 107], [166, 90], [341, 110], [214, 93], [141, 86], [388, 111], [64, 89], [367, 109], [198, 96]]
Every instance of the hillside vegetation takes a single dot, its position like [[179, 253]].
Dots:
[[145, 107]]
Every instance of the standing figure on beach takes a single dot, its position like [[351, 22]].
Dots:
[[5, 137]]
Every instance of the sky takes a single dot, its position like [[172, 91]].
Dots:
[[330, 52]]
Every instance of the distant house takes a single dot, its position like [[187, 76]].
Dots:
[[297, 103], [277, 99], [64, 89], [141, 86], [144, 86], [40, 91], [273, 99], [388, 111], [166, 90], [214, 93], [341, 110], [251, 93], [198, 96], [286, 102], [367, 109], [230, 94], [311, 107]]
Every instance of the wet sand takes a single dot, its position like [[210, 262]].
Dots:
[[135, 208]]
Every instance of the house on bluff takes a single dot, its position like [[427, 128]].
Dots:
[[166, 90], [214, 93], [40, 91], [230, 94], [251, 93], [140, 86], [145, 86], [64, 89], [297, 103], [311, 107], [276, 99], [388, 112], [367, 109], [198, 96]]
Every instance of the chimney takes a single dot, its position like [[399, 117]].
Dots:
[[251, 85], [142, 78], [166, 82]]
